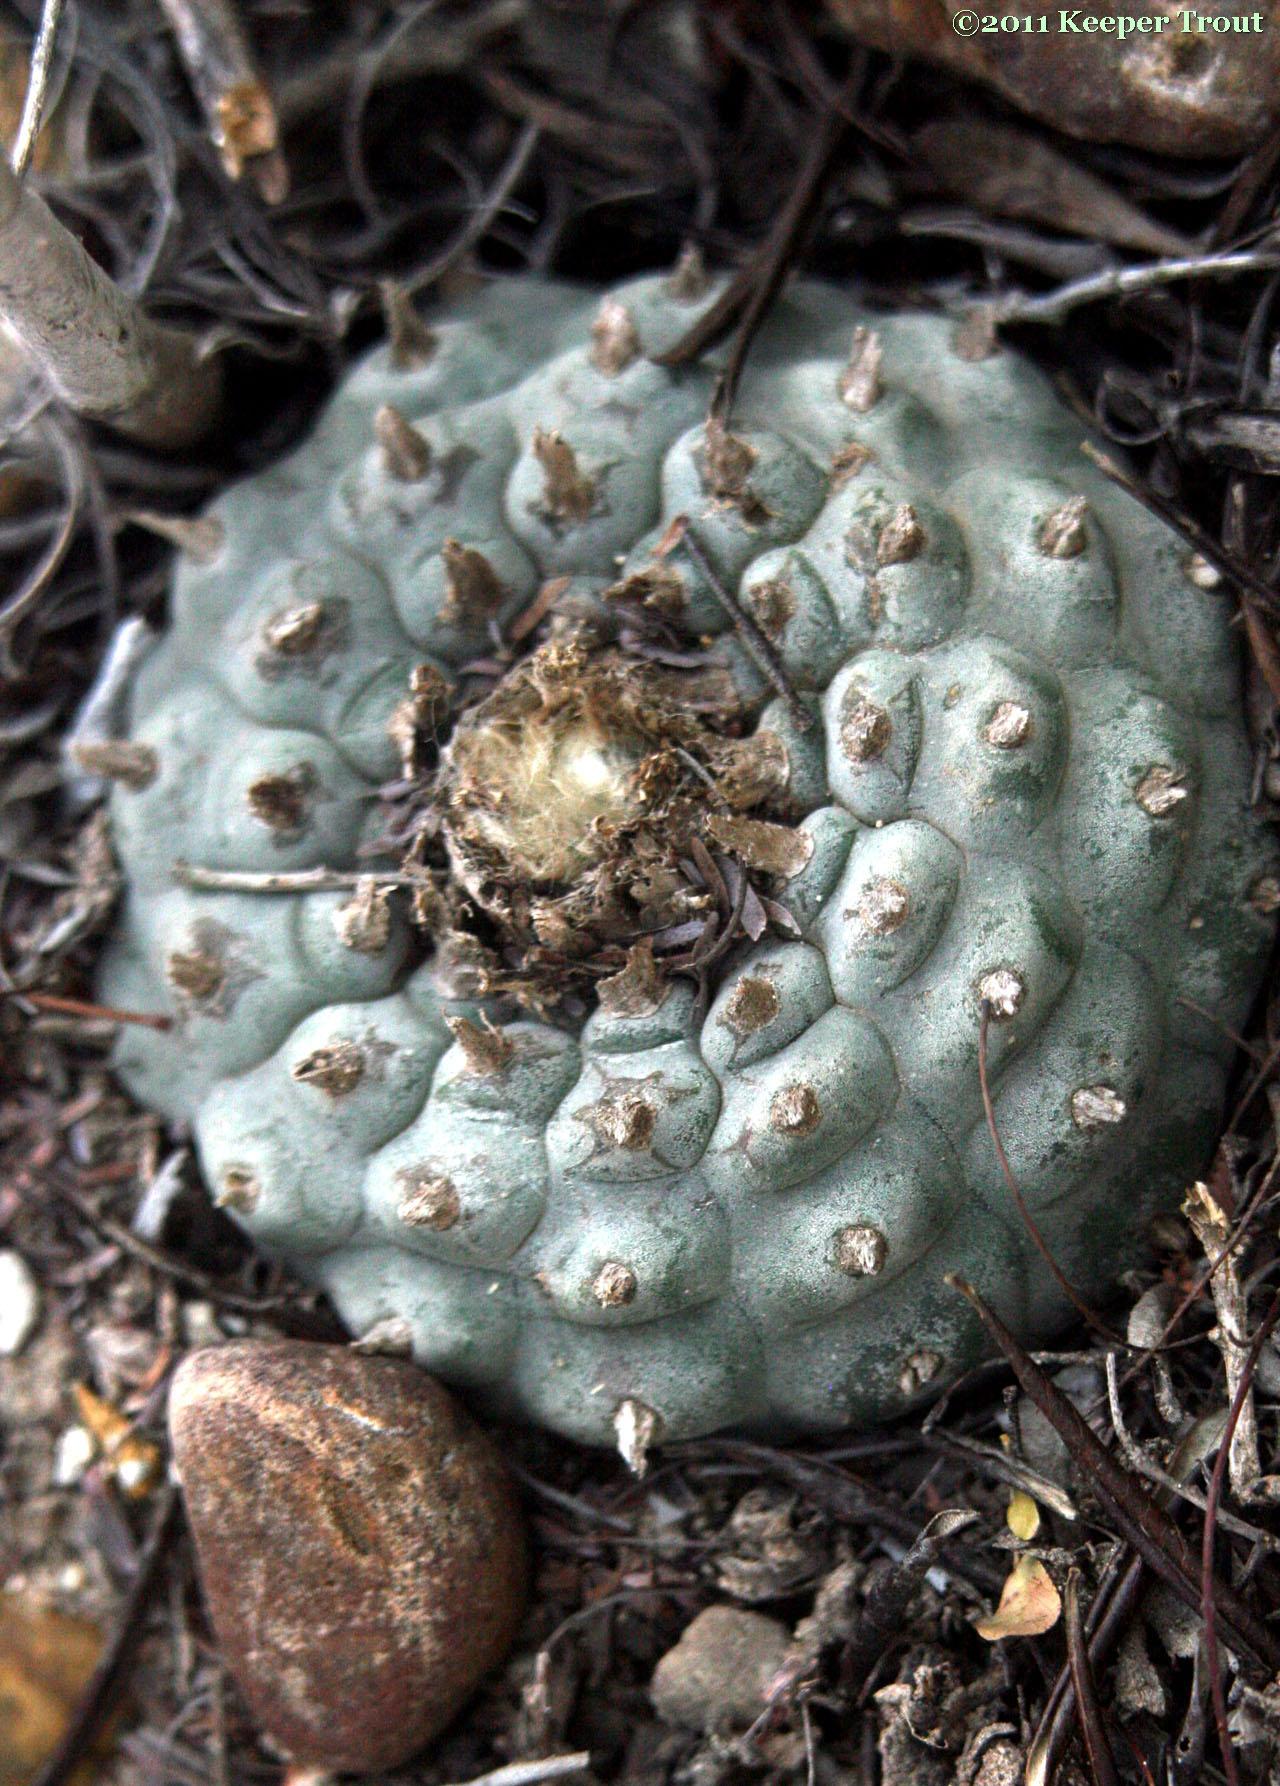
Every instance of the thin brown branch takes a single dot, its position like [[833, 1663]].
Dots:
[[27, 598], [847, 1497], [482, 218], [780, 251], [1257, 175], [1147, 1466], [37, 87], [1004, 1466], [1190, 1297], [1256, 596], [755, 644], [301, 880], [1212, 1228], [746, 300], [1112, 1607], [536, 1770], [885, 1609], [81, 1007], [1123, 282], [1092, 1731], [155, 1257]]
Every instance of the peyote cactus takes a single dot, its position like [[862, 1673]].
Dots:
[[585, 981]]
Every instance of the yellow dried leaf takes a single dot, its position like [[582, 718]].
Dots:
[[134, 1462], [1023, 1516], [1029, 1603], [46, 1659]]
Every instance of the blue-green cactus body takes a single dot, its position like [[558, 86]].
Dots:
[[1028, 784]]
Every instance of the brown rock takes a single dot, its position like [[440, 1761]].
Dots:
[[359, 1543], [1172, 91], [720, 1672]]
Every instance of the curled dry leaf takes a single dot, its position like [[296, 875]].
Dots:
[[133, 1461], [1029, 1604]]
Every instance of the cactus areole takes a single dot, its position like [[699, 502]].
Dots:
[[580, 843]]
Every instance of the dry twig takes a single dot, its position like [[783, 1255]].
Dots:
[[1088, 1711], [759, 649], [80, 1007], [37, 87], [1124, 282], [1210, 1600], [1015, 1190], [1146, 1465], [233, 95], [300, 880], [96, 348], [536, 1770], [1212, 1229], [881, 1618]]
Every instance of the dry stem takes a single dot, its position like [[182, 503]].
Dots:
[[98, 351], [233, 95], [1212, 1229], [37, 86]]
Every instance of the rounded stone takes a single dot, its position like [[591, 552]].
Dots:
[[359, 1545], [19, 1303], [720, 1672]]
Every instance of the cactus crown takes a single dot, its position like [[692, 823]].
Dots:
[[566, 799]]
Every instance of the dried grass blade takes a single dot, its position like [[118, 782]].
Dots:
[[1089, 1713], [1210, 1601]]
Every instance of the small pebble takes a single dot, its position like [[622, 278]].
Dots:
[[358, 1541], [151, 1217], [200, 1325], [721, 1670], [72, 1456], [19, 1303]]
